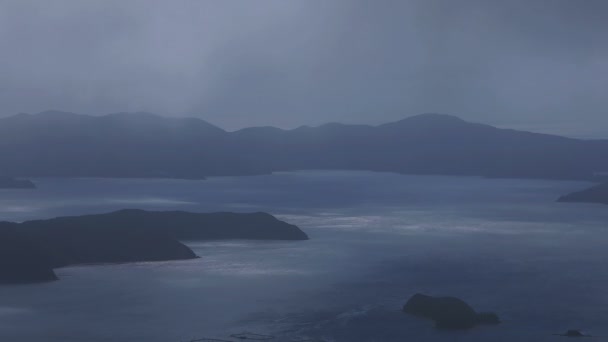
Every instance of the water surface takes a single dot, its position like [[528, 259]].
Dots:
[[376, 239]]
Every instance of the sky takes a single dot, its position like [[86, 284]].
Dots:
[[537, 65]]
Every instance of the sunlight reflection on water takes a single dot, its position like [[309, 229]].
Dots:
[[502, 245]]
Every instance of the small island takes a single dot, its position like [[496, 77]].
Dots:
[[14, 183], [35, 248], [595, 194], [448, 312]]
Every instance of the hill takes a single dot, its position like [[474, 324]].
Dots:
[[21, 261], [147, 145], [30, 250]]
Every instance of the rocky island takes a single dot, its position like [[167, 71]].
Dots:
[[30, 250], [448, 312], [595, 194], [14, 183]]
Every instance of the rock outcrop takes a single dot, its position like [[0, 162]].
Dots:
[[448, 312]]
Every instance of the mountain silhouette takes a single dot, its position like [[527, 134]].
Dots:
[[64, 144]]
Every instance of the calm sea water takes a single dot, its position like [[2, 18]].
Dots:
[[376, 239]]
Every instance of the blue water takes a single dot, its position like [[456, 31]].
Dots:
[[376, 239]]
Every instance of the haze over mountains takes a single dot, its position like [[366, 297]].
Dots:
[[60, 144]]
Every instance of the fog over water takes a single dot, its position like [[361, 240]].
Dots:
[[376, 239]]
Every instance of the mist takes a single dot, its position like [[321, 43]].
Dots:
[[534, 65], [306, 170]]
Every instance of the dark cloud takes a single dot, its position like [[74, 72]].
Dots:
[[541, 64]]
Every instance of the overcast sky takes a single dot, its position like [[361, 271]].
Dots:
[[529, 64]]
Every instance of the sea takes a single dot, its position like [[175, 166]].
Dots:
[[376, 239]]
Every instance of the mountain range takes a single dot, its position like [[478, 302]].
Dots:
[[61, 144]]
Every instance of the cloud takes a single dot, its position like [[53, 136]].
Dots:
[[287, 63]]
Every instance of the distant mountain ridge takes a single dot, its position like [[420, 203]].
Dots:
[[595, 194], [61, 144]]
